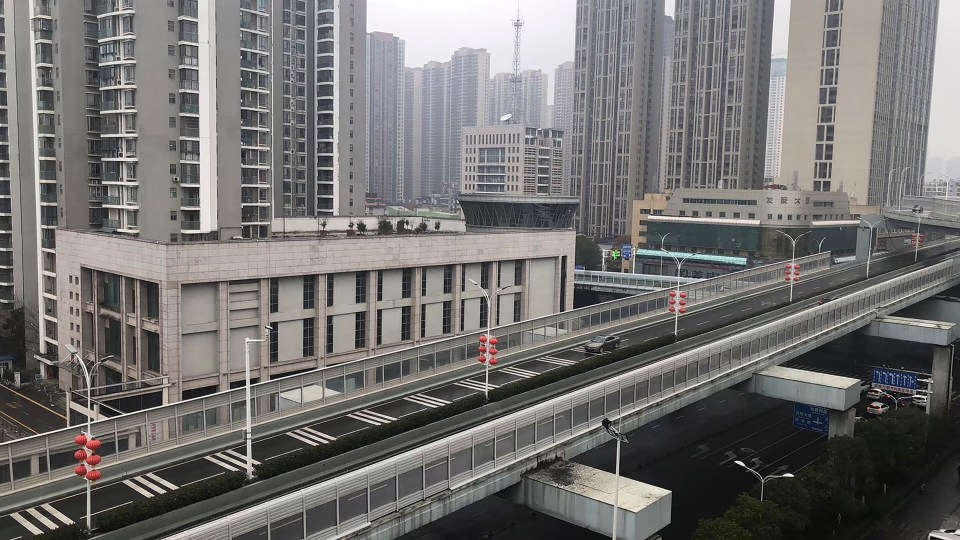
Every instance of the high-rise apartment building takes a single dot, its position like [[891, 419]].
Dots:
[[412, 135], [434, 127], [858, 99], [778, 87], [533, 98], [468, 81], [177, 120], [616, 126], [385, 116], [536, 155], [665, 86], [718, 99], [563, 78]]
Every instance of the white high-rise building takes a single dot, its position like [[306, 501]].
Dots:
[[537, 154], [385, 116], [563, 78], [665, 100], [778, 88], [857, 106], [468, 84], [533, 98]]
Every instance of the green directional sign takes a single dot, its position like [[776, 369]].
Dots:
[[614, 254]]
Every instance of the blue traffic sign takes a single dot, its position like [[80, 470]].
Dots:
[[811, 418], [627, 252], [895, 381]]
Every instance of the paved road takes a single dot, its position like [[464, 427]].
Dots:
[[28, 415], [108, 495]]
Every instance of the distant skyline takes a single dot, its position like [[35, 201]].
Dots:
[[433, 29]]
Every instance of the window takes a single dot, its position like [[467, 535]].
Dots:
[[484, 314], [751, 216], [406, 286], [518, 273], [274, 295], [379, 327], [329, 334], [485, 275], [330, 289], [360, 331], [448, 317], [308, 331], [447, 279], [274, 337], [309, 293], [379, 286], [423, 282], [516, 308], [171, 26], [173, 216], [361, 288], [172, 98], [153, 352], [171, 50], [405, 322]]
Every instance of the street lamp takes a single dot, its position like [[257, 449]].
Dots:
[[248, 431], [620, 438], [86, 439], [763, 479], [902, 172], [820, 244], [870, 246], [793, 260], [918, 210], [679, 297], [921, 178], [663, 238], [488, 345]]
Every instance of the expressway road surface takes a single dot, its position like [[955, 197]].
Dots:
[[112, 493], [26, 415]]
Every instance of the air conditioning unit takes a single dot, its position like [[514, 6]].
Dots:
[[175, 179]]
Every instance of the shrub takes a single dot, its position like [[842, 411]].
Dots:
[[361, 227], [384, 226], [129, 514], [67, 532]]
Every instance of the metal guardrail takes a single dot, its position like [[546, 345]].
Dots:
[[628, 281], [37, 460], [350, 502]]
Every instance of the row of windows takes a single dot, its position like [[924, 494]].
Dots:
[[734, 202]]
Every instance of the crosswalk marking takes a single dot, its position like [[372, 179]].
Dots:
[[378, 415], [221, 464], [169, 485], [230, 460], [311, 436], [26, 524], [42, 518], [425, 401], [138, 489], [475, 385], [557, 361], [437, 400], [56, 513], [149, 485], [519, 372], [366, 420], [238, 455], [371, 417]]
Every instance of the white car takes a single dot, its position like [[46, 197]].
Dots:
[[877, 408], [920, 400], [874, 393]]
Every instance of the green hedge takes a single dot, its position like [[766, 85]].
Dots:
[[296, 460], [129, 514], [67, 532]]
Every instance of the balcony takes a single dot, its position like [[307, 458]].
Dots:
[[108, 200], [189, 179], [48, 197], [189, 36], [48, 174], [190, 156], [48, 243], [49, 129], [41, 9], [45, 59], [111, 223], [189, 108], [189, 85], [187, 131], [190, 225], [190, 61], [190, 202], [253, 199], [188, 8]]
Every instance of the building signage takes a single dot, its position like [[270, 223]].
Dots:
[[626, 252], [811, 418], [895, 381]]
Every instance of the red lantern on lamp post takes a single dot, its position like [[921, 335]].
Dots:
[[677, 301], [791, 272], [488, 344]]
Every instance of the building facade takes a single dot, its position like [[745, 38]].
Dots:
[[858, 101], [469, 76], [512, 159], [718, 96], [616, 116], [778, 88], [563, 113], [385, 115], [434, 128], [668, 30], [178, 313], [533, 98], [413, 150]]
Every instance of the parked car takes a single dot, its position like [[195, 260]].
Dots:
[[920, 400], [830, 298], [602, 343], [874, 393], [877, 408]]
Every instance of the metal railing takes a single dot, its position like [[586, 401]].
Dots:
[[629, 281], [353, 500], [46, 457]]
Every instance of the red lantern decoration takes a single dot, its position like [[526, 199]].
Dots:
[[481, 359], [481, 349], [80, 455], [94, 475], [683, 302], [80, 470], [683, 310], [483, 338], [493, 351], [494, 341], [796, 278], [787, 278], [81, 440], [94, 444], [673, 293], [671, 309], [493, 361], [796, 267], [93, 459], [683, 295]]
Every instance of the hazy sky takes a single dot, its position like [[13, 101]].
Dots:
[[433, 29]]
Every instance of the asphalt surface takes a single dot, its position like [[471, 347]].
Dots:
[[108, 495], [26, 415]]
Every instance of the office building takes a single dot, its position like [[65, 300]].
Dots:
[[563, 78], [532, 109], [512, 159], [858, 95], [412, 133], [778, 87], [385, 116], [177, 121], [616, 125], [468, 83], [718, 101], [155, 317]]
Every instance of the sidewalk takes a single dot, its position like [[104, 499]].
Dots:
[[937, 508]]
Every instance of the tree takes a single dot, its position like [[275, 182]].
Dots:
[[715, 529], [436, 225], [899, 442], [587, 253], [828, 500], [361, 227], [793, 498], [762, 519], [849, 459], [323, 224], [384, 226]]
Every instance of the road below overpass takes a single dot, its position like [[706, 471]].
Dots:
[[111, 494]]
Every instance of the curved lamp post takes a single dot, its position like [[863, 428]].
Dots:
[[793, 260], [918, 210], [870, 246], [677, 295], [763, 479], [663, 238], [620, 438], [487, 342], [248, 431]]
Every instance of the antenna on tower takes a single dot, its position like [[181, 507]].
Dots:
[[517, 84]]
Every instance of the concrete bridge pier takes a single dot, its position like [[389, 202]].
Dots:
[[841, 423], [942, 375]]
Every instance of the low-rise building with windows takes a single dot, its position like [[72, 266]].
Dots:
[[177, 314]]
